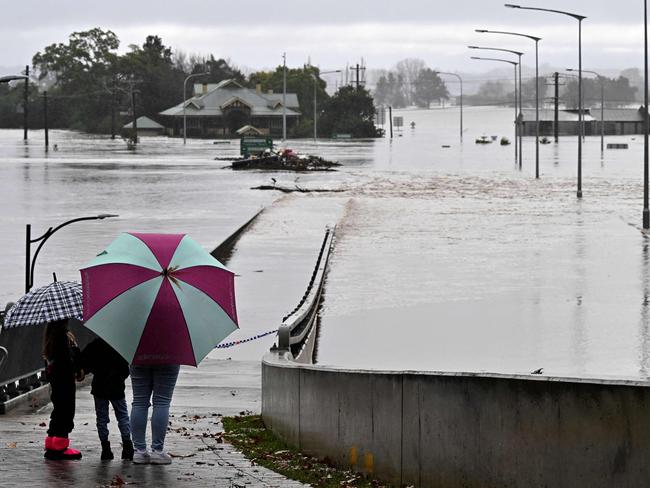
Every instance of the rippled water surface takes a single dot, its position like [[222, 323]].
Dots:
[[447, 258]]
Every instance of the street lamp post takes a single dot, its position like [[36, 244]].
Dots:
[[517, 116], [646, 125], [536, 39], [601, 79], [284, 97], [185, 102], [460, 80], [514, 64], [30, 262], [579, 18], [315, 87]]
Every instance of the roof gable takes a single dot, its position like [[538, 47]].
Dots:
[[235, 100], [228, 84]]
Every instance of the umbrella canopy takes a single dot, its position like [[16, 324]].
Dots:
[[56, 301], [159, 299]]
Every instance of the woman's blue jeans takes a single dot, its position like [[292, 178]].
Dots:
[[148, 381]]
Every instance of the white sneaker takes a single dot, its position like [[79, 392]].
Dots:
[[159, 457], [141, 457]]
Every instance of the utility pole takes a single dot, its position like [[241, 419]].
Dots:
[[556, 119], [135, 119], [390, 118], [357, 69], [25, 101], [113, 109], [45, 128]]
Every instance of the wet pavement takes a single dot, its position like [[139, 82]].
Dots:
[[201, 458]]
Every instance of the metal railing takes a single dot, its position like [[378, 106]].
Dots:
[[296, 334]]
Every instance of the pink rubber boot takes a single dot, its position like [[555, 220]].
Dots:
[[57, 449]]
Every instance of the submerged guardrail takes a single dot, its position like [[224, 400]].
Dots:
[[297, 333], [468, 430]]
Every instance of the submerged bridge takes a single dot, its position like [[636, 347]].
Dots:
[[440, 429]]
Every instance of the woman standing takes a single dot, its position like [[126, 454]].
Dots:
[[157, 383]]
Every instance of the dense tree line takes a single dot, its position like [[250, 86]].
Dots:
[[411, 82], [619, 92], [89, 85]]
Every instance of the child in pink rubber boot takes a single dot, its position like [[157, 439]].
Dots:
[[61, 355]]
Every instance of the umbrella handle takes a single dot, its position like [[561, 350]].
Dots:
[[4, 354]]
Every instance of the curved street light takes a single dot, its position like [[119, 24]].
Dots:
[[30, 262], [185, 103], [517, 117], [8, 78], [461, 98], [25, 77], [536, 39], [514, 64], [579, 18], [601, 79]]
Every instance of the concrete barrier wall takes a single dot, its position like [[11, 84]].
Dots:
[[24, 345], [463, 429]]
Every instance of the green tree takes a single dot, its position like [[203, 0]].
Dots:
[[11, 104], [528, 94], [220, 69], [618, 92], [87, 57], [408, 70], [489, 93], [382, 91], [350, 111], [428, 87], [301, 82], [397, 95], [153, 73], [78, 73]]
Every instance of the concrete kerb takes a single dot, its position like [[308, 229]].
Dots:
[[463, 429]]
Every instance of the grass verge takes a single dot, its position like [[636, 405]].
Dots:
[[249, 435]]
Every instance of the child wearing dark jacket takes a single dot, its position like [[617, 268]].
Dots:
[[62, 367], [109, 372]]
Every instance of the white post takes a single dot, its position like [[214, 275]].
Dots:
[[184, 103], [315, 115]]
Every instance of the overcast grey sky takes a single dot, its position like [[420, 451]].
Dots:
[[254, 33]]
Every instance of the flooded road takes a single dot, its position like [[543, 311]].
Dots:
[[447, 258]]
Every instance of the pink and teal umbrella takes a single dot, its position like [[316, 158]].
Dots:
[[159, 299]]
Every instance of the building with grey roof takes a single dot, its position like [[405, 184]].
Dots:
[[146, 127], [221, 109], [618, 121]]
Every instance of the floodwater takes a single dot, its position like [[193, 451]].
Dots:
[[447, 258]]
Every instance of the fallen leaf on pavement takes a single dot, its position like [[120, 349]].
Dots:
[[181, 455]]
